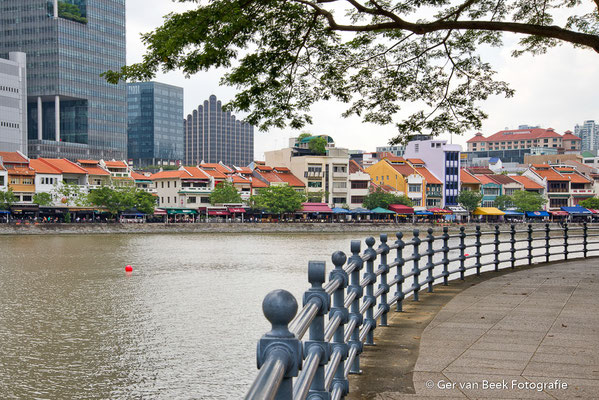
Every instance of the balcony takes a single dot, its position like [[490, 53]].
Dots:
[[195, 190], [339, 174], [582, 191]]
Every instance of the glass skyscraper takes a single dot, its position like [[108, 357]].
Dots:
[[155, 123], [213, 135], [72, 112]]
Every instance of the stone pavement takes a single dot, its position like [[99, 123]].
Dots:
[[508, 336]]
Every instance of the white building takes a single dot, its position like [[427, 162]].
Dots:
[[359, 185], [443, 160], [13, 103]]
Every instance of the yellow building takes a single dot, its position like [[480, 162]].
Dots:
[[402, 176]]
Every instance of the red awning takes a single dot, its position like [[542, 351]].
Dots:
[[437, 210], [237, 210], [158, 211], [593, 211], [558, 213], [401, 209], [218, 212], [316, 208]]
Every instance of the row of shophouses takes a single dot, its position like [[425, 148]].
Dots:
[[340, 180]]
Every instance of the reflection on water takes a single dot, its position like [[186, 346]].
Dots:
[[184, 324]]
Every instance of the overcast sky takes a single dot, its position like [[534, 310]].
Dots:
[[557, 90]]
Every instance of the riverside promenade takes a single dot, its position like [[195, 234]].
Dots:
[[529, 333]]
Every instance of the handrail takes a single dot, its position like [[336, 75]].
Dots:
[[355, 299]]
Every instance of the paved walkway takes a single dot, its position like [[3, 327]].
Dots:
[[532, 333]]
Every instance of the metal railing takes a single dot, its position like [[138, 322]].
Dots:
[[354, 303]]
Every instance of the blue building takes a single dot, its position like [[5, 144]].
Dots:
[[155, 123], [72, 112], [213, 135]]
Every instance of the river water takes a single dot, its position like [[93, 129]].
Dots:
[[184, 324]]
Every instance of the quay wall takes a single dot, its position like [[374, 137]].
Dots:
[[157, 228]]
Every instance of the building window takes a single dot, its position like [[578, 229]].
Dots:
[[357, 199], [416, 202], [340, 185], [191, 200], [315, 184], [414, 188], [339, 200], [359, 185], [168, 184]]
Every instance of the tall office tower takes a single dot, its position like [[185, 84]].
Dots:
[[13, 103], [212, 135], [72, 112], [155, 123], [589, 133]]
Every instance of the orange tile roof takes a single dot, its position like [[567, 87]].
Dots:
[[170, 174], [282, 169], [214, 173], [480, 171], [526, 181], [263, 168], [516, 135], [577, 178], [239, 179], [416, 161], [485, 180], [42, 168], [467, 178], [220, 168], [244, 170], [550, 174], [291, 179], [259, 162], [95, 162], [568, 136], [11, 157], [403, 169], [392, 157], [139, 177], [96, 170], [257, 183], [64, 166], [115, 164], [501, 179], [428, 176], [197, 173], [21, 171], [354, 167]]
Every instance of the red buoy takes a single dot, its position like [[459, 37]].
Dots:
[[129, 268], [466, 254]]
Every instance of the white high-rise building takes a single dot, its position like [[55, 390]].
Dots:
[[589, 133], [13, 103]]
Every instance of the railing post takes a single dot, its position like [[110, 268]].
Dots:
[[462, 247], [445, 256], [316, 342], [566, 251], [383, 285], [496, 251], [585, 236], [338, 342], [477, 243], [547, 239], [400, 278], [529, 248], [355, 314], [430, 252], [513, 245], [278, 346], [415, 270], [370, 290]]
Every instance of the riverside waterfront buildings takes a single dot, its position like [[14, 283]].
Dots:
[[213, 135], [154, 124], [72, 112], [13, 103]]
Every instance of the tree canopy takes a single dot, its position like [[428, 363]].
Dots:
[[7, 198], [592, 203], [373, 55], [42, 199], [278, 199], [122, 199], [225, 192], [318, 145], [383, 199], [469, 199], [503, 202], [527, 201]]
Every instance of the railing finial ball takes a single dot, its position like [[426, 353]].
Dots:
[[355, 246], [416, 232], [399, 235], [316, 273], [339, 258], [429, 230], [445, 229], [462, 229], [370, 241], [279, 307], [383, 237]]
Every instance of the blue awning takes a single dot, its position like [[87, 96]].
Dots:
[[4, 212], [423, 213], [576, 210], [339, 210], [537, 214], [513, 213], [360, 210]]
